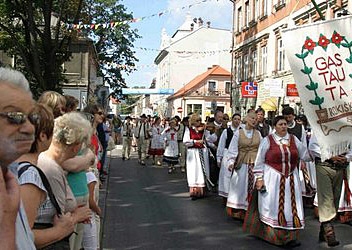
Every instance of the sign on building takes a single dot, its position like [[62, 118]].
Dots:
[[249, 89]]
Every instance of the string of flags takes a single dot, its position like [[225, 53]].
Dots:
[[186, 51], [114, 24], [183, 56]]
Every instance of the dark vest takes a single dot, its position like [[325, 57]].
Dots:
[[264, 131], [229, 137], [296, 131]]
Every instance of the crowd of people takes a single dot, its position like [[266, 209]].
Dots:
[[53, 159], [265, 173]]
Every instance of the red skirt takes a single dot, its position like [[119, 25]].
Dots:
[[253, 225]]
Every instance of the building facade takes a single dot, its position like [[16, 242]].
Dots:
[[188, 52], [258, 53], [204, 94]]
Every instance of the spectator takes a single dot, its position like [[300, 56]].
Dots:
[[55, 101], [36, 196], [71, 103], [71, 132], [16, 138]]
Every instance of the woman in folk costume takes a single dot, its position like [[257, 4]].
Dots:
[[156, 148], [197, 157], [275, 213], [171, 146], [222, 156], [241, 157]]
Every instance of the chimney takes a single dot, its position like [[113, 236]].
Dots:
[[200, 22], [192, 26], [208, 24]]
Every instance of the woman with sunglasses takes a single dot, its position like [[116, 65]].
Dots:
[[71, 132], [35, 196]]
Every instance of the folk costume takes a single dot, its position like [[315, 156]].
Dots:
[[242, 153], [197, 162], [181, 147], [156, 148], [345, 204], [126, 140], [171, 148], [142, 134], [306, 169], [222, 159], [329, 185], [276, 214]]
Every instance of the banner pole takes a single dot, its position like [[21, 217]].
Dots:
[[318, 10]]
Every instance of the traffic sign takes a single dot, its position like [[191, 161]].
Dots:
[[179, 110]]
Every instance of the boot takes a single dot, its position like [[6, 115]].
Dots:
[[327, 233]]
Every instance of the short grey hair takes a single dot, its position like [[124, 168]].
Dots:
[[72, 128], [14, 77]]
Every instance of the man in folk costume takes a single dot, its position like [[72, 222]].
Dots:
[[242, 152], [126, 138], [197, 157], [275, 213], [220, 125], [298, 130], [181, 147], [262, 126], [222, 156], [330, 175], [142, 134]]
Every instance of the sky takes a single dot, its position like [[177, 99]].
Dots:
[[218, 12]]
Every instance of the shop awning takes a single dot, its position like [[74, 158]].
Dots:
[[269, 104]]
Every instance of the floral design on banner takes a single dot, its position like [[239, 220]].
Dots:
[[308, 48]]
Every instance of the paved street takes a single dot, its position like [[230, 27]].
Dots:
[[146, 208]]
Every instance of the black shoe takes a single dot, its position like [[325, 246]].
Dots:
[[293, 243], [142, 163], [123, 158]]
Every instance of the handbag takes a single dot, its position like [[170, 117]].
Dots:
[[64, 243]]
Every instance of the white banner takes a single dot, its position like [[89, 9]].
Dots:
[[320, 56]]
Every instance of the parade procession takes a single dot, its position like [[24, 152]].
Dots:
[[233, 132]]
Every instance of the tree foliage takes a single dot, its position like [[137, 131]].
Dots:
[[31, 31]]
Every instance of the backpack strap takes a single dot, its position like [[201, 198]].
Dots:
[[45, 183]]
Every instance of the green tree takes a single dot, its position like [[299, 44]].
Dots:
[[32, 32], [114, 45]]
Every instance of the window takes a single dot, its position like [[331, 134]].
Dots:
[[256, 10], [245, 66], [254, 64], [280, 55], [195, 108], [247, 13], [227, 87], [239, 19], [264, 7], [211, 86], [264, 60], [239, 69]]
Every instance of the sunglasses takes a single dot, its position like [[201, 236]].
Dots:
[[19, 118], [100, 113]]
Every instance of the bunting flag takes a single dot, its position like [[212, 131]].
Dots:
[[320, 56], [114, 24]]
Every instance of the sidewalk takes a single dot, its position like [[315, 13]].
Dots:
[[104, 189]]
